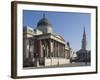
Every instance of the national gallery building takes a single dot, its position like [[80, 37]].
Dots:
[[42, 47]]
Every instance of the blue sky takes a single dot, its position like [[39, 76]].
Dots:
[[70, 25]]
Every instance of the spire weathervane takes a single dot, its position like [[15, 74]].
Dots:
[[43, 15]]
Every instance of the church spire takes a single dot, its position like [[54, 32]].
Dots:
[[43, 15], [84, 40], [84, 32]]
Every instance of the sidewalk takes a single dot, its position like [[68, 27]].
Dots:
[[78, 64]]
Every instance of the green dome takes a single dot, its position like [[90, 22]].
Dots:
[[43, 22]]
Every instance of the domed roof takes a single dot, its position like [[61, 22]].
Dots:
[[43, 21]]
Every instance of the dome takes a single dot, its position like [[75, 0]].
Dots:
[[44, 25], [43, 22]]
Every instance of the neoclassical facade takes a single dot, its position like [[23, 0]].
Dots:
[[42, 47]]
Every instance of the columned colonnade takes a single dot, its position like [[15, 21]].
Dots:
[[51, 49]]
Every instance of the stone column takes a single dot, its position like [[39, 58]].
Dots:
[[50, 51], [40, 48], [58, 53], [50, 48], [63, 50], [47, 49], [53, 48], [58, 49]]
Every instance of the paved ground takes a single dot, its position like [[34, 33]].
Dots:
[[65, 65], [76, 64]]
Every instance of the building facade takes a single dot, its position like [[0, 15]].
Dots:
[[42, 47]]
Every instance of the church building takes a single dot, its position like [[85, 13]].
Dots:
[[43, 47], [83, 55]]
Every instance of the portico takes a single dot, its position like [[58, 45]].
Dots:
[[50, 49]]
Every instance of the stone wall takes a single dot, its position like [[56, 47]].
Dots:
[[56, 61]]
